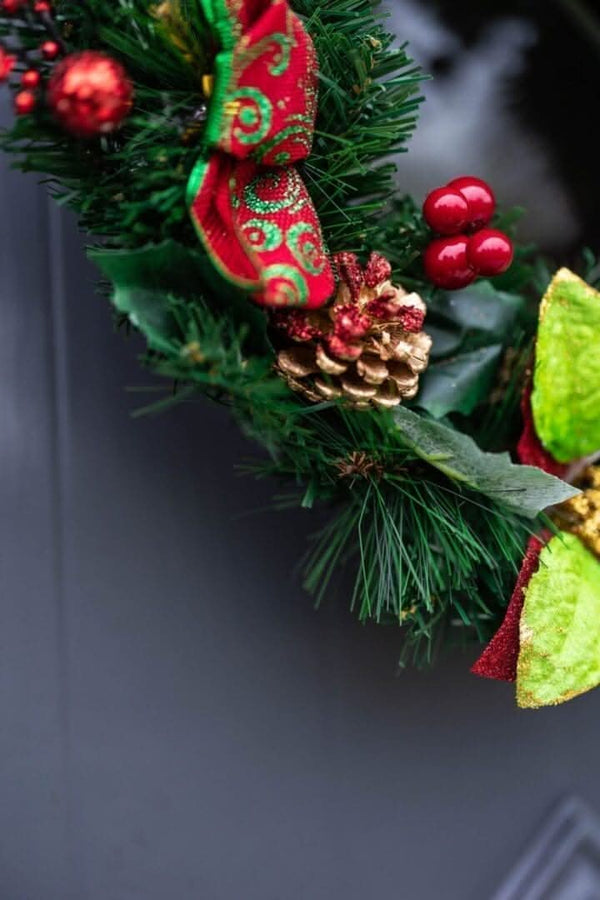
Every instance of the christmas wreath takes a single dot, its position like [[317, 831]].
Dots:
[[233, 161]]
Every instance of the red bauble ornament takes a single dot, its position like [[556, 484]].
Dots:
[[446, 263], [479, 196], [50, 50], [446, 210], [25, 103], [490, 252], [31, 79], [90, 93], [10, 7]]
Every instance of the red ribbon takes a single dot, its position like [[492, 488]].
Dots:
[[248, 201]]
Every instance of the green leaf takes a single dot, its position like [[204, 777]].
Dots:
[[459, 384], [477, 316], [559, 654], [523, 489], [150, 312], [566, 387], [178, 271]]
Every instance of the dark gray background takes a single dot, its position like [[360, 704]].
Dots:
[[176, 721]]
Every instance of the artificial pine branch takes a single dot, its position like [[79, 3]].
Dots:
[[426, 554]]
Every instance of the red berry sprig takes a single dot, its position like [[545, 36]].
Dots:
[[460, 212]]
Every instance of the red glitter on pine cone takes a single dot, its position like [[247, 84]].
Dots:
[[378, 270], [350, 272], [500, 657], [412, 319], [350, 323], [296, 324], [344, 349]]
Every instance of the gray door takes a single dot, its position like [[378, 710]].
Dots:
[[177, 723]]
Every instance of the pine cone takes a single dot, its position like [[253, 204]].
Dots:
[[367, 346]]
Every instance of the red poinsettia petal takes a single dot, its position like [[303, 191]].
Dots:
[[499, 659], [530, 449]]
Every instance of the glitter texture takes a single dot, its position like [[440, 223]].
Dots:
[[529, 449], [499, 659]]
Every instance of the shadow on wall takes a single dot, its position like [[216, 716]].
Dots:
[[472, 120]]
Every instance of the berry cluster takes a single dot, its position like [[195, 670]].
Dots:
[[466, 248], [89, 93], [25, 99]]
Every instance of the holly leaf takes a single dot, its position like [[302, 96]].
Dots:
[[478, 316], [177, 271], [150, 312], [459, 384], [525, 490]]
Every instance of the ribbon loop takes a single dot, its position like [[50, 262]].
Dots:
[[249, 204]]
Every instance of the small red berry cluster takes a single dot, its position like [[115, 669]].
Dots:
[[467, 248], [25, 100]]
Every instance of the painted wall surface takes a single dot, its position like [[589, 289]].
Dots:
[[177, 723]]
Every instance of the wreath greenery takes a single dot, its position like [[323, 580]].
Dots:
[[426, 508]]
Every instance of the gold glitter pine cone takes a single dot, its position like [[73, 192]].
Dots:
[[367, 347]]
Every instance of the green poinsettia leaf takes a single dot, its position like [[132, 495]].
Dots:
[[522, 489], [178, 271], [559, 655], [566, 388], [459, 384]]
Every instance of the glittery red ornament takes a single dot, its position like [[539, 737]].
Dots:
[[490, 252], [499, 659], [7, 63], [446, 263], [479, 196], [50, 50], [31, 79], [25, 103], [90, 93], [446, 211]]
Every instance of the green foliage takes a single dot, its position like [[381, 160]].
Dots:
[[525, 490], [432, 528], [368, 102]]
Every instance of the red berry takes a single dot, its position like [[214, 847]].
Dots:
[[31, 79], [446, 263], [7, 63], [25, 103], [480, 198], [446, 211], [490, 252], [50, 50]]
